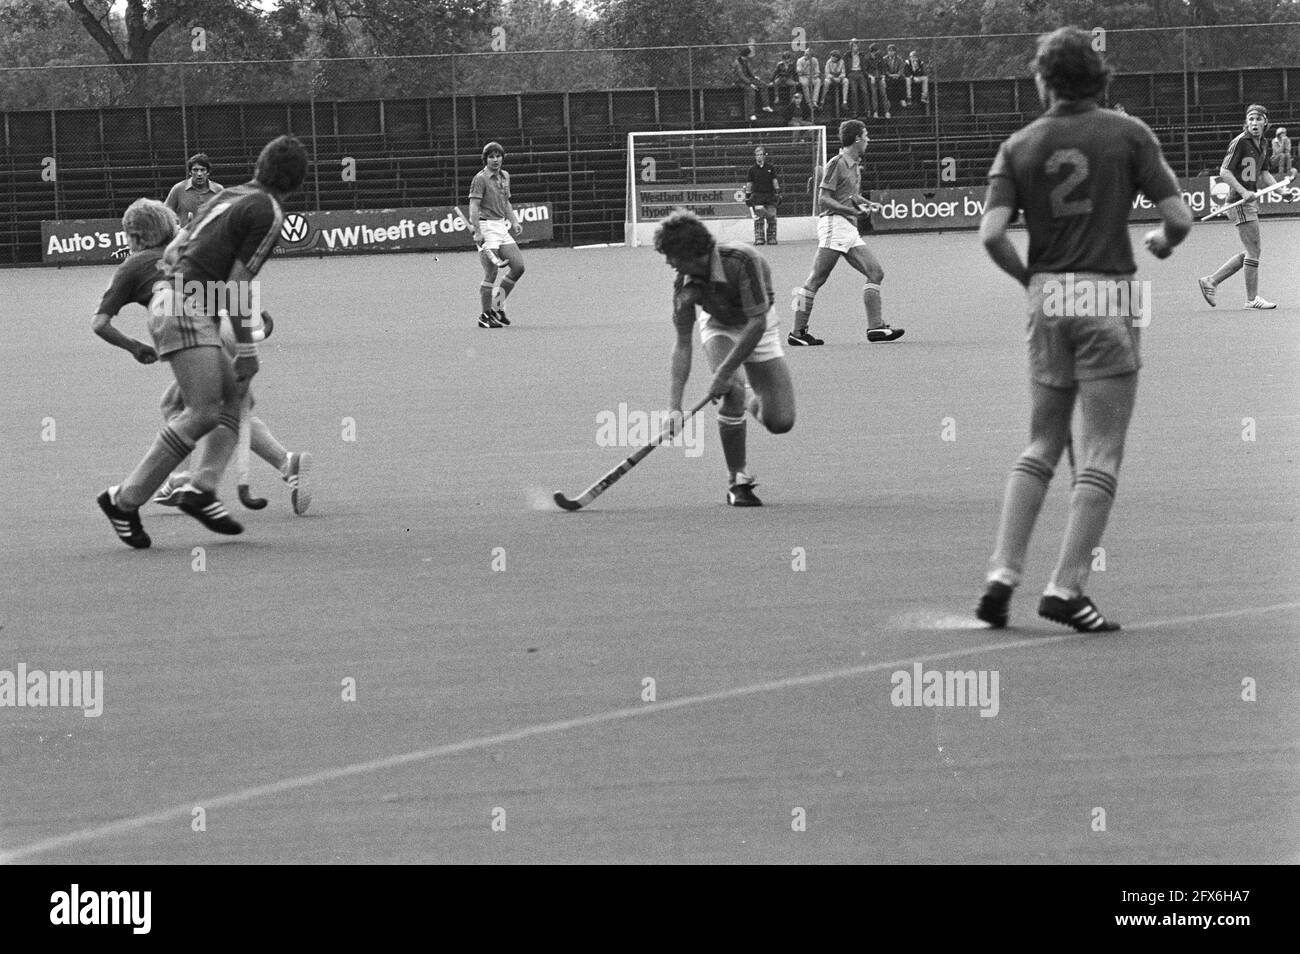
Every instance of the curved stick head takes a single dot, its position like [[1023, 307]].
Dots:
[[565, 503]]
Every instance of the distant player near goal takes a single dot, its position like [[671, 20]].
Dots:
[[839, 203], [1244, 169], [1074, 172], [492, 218], [731, 285], [763, 193]]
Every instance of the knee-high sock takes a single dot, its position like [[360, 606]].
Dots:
[[485, 291], [731, 434], [169, 449], [1023, 499], [215, 451], [1090, 503], [803, 306], [871, 299], [507, 286], [1252, 278], [263, 443], [1228, 268]]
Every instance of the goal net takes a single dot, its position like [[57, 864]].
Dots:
[[704, 170]]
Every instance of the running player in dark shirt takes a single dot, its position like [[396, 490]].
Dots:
[[1074, 173], [1244, 169], [211, 267], [731, 286]]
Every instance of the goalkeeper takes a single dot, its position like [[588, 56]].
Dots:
[[762, 193]]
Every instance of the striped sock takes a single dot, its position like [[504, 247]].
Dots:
[[169, 449], [1252, 278], [1228, 268], [1023, 499], [1090, 504]]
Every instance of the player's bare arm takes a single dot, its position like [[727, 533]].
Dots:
[[474, 212], [102, 325], [1176, 227], [748, 339], [1229, 177], [993, 233]]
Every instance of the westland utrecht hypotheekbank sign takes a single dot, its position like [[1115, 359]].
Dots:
[[313, 233]]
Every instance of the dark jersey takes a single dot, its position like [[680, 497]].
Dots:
[[241, 224], [133, 281], [1246, 159], [739, 287], [1074, 172], [763, 181]]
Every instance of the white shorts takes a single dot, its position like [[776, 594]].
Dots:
[[768, 347], [837, 233], [496, 232]]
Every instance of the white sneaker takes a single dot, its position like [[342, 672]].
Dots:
[[1263, 304], [1207, 290]]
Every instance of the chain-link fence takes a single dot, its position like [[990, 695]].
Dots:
[[84, 141]]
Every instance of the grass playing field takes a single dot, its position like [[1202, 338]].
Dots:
[[500, 648]]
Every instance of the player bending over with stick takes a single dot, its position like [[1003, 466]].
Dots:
[[732, 286], [1074, 172], [222, 250], [491, 219], [839, 203], [1244, 169]]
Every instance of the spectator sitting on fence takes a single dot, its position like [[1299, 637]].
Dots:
[[784, 77], [188, 195], [915, 71], [753, 85], [894, 87], [836, 86], [798, 112], [809, 72], [875, 70], [1281, 161]]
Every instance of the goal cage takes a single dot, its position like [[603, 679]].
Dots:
[[704, 170]]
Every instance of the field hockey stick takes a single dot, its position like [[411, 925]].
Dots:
[[1273, 188], [600, 486], [496, 259], [242, 456]]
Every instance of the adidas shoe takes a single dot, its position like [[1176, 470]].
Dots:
[[741, 493], [1078, 613], [299, 472], [204, 507], [1262, 304], [994, 606], [488, 320], [1207, 290], [500, 315], [802, 338], [126, 523], [168, 495], [884, 333]]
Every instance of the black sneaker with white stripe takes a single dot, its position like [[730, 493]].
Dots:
[[1079, 613], [204, 507], [803, 338], [126, 523]]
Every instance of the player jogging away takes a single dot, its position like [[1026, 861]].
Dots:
[[1074, 173], [1245, 170], [839, 203], [492, 219], [731, 285], [224, 248]]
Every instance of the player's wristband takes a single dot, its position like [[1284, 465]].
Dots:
[[245, 350]]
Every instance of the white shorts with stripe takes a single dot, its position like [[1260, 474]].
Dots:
[[496, 232], [768, 347], [837, 233]]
